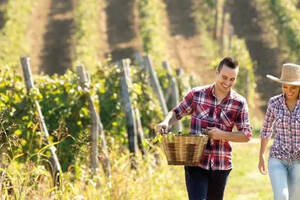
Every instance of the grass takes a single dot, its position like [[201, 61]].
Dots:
[[245, 182], [13, 43], [148, 182], [87, 32]]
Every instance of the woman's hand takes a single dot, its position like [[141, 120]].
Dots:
[[261, 165]]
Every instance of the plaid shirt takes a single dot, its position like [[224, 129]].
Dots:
[[205, 111], [286, 128]]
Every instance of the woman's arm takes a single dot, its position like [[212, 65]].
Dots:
[[266, 134], [261, 163]]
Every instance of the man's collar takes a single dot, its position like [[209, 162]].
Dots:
[[212, 91]]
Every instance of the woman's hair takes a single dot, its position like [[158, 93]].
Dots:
[[229, 62]]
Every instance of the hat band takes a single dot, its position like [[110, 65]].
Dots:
[[289, 80]]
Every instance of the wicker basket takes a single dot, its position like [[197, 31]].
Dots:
[[184, 149]]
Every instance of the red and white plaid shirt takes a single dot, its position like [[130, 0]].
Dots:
[[205, 111], [286, 128]]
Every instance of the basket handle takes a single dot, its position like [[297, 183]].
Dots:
[[204, 131]]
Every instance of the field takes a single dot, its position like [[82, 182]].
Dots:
[[190, 36], [245, 182], [148, 182]]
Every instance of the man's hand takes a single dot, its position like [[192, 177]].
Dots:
[[218, 134], [215, 133], [162, 127]]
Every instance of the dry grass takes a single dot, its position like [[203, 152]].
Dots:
[[148, 182]]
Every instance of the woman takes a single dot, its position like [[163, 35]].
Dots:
[[283, 119]]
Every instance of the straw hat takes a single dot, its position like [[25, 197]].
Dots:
[[290, 74]]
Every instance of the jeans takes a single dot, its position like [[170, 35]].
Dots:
[[204, 184], [285, 178]]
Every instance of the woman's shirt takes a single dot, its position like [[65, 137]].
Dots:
[[285, 125]]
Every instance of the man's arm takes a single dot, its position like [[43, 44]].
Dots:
[[164, 126], [243, 125], [217, 134], [183, 108]]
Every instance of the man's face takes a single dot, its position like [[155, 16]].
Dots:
[[226, 78]]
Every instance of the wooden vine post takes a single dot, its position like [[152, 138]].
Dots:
[[131, 124], [140, 132], [97, 127], [55, 165], [173, 93], [155, 84]]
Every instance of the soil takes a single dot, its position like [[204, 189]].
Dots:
[[50, 36], [245, 26], [185, 42], [56, 52], [181, 21], [37, 28], [52, 24], [122, 29], [2, 4]]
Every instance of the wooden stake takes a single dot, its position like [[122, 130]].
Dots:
[[56, 168], [129, 111], [155, 84], [97, 127], [174, 92]]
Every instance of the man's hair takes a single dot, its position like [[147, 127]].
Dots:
[[229, 62]]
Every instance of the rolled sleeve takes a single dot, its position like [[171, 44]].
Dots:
[[185, 107], [267, 128], [243, 122]]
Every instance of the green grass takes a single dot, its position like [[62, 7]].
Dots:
[[87, 32], [14, 43], [245, 182]]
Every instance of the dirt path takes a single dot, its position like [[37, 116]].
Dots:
[[246, 26], [50, 35], [55, 49], [2, 4], [37, 28], [181, 21], [185, 43], [122, 28]]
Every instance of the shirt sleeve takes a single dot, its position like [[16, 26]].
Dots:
[[267, 128], [243, 122], [185, 107]]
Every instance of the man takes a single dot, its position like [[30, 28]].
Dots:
[[214, 109]]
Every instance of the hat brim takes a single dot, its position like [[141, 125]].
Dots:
[[273, 78]]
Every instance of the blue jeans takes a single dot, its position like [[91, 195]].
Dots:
[[204, 184], [285, 178]]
